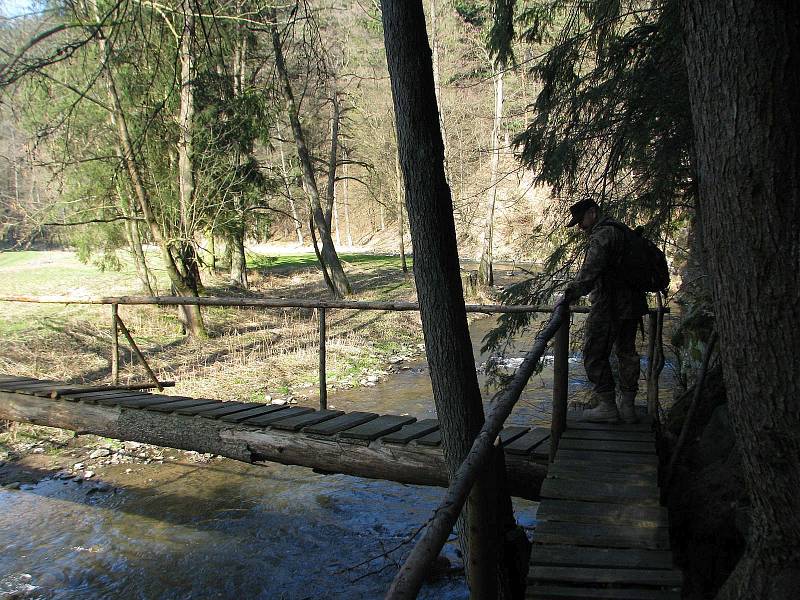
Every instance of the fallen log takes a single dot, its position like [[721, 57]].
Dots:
[[410, 463]]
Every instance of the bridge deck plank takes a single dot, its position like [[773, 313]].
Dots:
[[527, 442], [412, 431], [257, 411], [299, 421], [376, 428], [583, 556], [278, 415], [340, 423]]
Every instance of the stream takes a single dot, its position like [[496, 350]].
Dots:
[[224, 529]]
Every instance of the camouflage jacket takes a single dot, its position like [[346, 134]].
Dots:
[[611, 298]]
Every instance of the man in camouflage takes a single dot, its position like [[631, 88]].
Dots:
[[614, 316]]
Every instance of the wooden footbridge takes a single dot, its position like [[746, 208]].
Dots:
[[601, 534], [391, 447]]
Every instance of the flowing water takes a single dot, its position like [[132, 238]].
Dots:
[[230, 530]]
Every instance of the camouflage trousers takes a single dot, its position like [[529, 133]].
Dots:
[[601, 336]]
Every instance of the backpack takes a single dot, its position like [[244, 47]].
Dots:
[[643, 265]]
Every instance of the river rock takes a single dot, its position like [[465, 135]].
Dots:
[[78, 466], [88, 474], [100, 453], [38, 450], [278, 401], [372, 378], [14, 485]]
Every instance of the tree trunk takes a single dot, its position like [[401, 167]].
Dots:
[[238, 272], [346, 203], [436, 270], [298, 226], [128, 157], [438, 89], [400, 200], [329, 259], [485, 270], [135, 243], [743, 60]]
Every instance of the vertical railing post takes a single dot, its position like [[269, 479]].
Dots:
[[323, 384], [652, 383], [560, 384], [114, 345]]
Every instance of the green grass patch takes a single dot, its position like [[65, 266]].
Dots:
[[290, 262]]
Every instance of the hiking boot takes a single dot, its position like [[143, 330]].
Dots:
[[627, 410], [604, 412]]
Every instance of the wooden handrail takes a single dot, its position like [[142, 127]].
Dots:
[[409, 579], [275, 303]]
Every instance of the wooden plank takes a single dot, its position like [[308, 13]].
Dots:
[[256, 411], [269, 419], [225, 408], [582, 556], [142, 401], [432, 439], [606, 446], [555, 592], [581, 471], [606, 457], [208, 404], [608, 467], [376, 428], [412, 431], [6, 379], [28, 387], [602, 512], [172, 406], [651, 577], [92, 397], [542, 451], [617, 436], [602, 536], [340, 423], [118, 399], [574, 424], [527, 442], [509, 434], [599, 491], [296, 423]]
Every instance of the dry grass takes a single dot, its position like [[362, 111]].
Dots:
[[251, 354]]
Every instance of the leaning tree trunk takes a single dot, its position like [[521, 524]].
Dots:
[[129, 160], [486, 268], [329, 259], [436, 270], [298, 226], [743, 60]]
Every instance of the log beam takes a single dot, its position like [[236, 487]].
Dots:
[[410, 463]]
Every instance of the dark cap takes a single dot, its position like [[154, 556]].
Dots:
[[579, 209]]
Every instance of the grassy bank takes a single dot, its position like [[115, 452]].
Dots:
[[252, 354]]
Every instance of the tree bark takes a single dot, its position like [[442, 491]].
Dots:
[[329, 259], [436, 270], [743, 61], [486, 270]]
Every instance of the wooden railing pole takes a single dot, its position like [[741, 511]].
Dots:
[[652, 330], [323, 384], [560, 385], [114, 345]]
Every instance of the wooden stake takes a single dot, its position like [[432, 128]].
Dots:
[[560, 385], [139, 354], [323, 384], [114, 345]]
